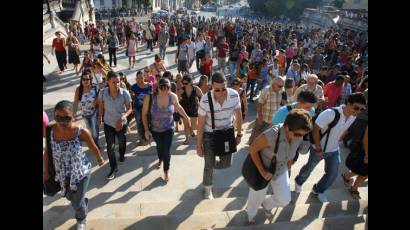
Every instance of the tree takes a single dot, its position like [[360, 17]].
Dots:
[[338, 3], [289, 8]]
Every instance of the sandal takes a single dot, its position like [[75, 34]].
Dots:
[[355, 194], [347, 182], [158, 165]]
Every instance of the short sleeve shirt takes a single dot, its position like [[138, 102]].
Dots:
[[270, 101], [324, 119], [114, 108], [223, 114], [286, 150], [280, 115]]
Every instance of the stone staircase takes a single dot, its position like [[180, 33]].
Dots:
[[139, 199]]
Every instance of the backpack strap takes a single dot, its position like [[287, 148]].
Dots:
[[289, 107], [330, 126], [211, 107]]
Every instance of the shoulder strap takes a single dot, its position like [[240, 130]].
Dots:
[[330, 126], [275, 151], [211, 107], [150, 102], [51, 169]]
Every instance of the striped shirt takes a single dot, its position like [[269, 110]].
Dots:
[[223, 114], [270, 101]]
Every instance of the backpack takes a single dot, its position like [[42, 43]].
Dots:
[[329, 127]]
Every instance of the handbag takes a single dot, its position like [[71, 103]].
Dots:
[[50, 186], [251, 173], [223, 141]]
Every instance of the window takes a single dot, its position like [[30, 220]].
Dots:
[[102, 2]]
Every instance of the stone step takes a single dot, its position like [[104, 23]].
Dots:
[[331, 223], [219, 220], [151, 203]]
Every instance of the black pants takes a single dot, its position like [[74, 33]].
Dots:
[[110, 135], [171, 40], [149, 44], [113, 53], [61, 59], [164, 143]]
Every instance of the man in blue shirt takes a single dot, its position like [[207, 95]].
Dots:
[[305, 100]]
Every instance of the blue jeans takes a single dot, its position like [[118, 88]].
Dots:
[[110, 134], [164, 142], [92, 125], [139, 125], [232, 71], [332, 161], [78, 200]]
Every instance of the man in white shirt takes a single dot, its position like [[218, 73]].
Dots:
[[191, 52], [327, 147], [226, 105]]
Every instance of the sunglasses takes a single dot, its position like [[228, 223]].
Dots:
[[163, 87], [357, 108], [185, 83], [298, 134], [63, 118], [86, 79], [220, 90]]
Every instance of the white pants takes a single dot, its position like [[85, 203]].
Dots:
[[280, 198]]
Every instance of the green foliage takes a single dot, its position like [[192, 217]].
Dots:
[[289, 8], [338, 3]]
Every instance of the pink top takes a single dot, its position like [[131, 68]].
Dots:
[[45, 120], [151, 81]]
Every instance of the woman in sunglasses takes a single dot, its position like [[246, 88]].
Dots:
[[288, 136], [190, 101], [72, 166], [87, 96], [161, 125]]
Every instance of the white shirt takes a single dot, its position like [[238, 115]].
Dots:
[[223, 114], [199, 45], [191, 50], [324, 119]]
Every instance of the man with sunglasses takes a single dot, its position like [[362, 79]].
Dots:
[[268, 103], [115, 104], [327, 148], [226, 105]]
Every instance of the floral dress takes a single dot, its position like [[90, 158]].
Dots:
[[70, 162]]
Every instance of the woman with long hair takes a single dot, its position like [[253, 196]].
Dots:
[[87, 63], [190, 97], [132, 45], [161, 128], [73, 50], [87, 96], [58, 47], [72, 166]]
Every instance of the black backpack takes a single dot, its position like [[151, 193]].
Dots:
[[329, 127]]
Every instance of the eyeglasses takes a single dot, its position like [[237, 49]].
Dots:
[[63, 118], [357, 108], [86, 79], [220, 90], [298, 134]]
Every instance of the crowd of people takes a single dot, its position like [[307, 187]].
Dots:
[[311, 87]]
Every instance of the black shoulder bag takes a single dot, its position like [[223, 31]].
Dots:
[[50, 186], [223, 141], [251, 173]]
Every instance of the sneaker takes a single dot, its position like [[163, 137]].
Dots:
[[122, 159], [322, 197], [111, 175], [298, 188], [81, 225], [208, 193]]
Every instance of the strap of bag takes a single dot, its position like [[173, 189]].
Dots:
[[289, 107], [330, 126], [275, 151], [211, 107], [51, 169]]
